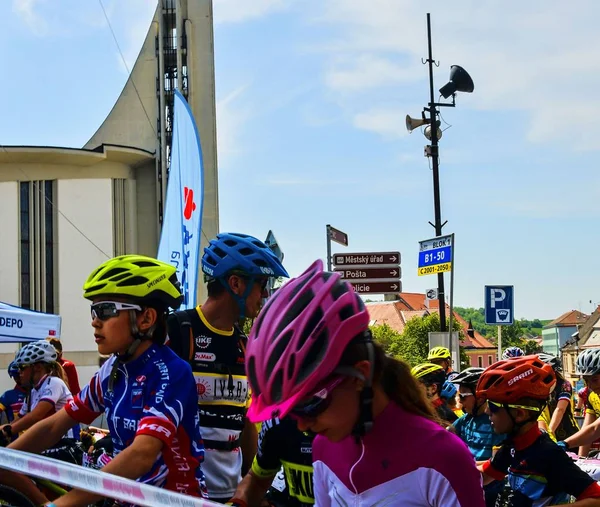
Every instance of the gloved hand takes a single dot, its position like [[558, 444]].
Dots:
[[563, 445]]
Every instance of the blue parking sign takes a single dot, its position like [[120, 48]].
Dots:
[[499, 305]]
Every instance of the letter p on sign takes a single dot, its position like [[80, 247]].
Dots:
[[496, 295]]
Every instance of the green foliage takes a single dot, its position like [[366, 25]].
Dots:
[[477, 317]]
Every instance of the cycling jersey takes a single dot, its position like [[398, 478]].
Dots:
[[404, 460], [478, 434], [450, 374], [539, 472], [592, 405], [281, 443], [546, 418], [52, 390], [568, 425], [11, 402], [154, 395], [217, 359]]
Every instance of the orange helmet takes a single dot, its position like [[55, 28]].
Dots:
[[512, 379]]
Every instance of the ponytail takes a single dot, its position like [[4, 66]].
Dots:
[[395, 378], [55, 369]]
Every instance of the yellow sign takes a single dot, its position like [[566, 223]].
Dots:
[[437, 268]]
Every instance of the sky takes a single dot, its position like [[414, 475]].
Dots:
[[311, 103]]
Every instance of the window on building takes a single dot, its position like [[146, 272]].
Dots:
[[38, 245], [490, 360], [480, 361]]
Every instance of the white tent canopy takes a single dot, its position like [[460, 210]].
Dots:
[[19, 325]]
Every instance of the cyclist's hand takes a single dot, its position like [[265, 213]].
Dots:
[[6, 435], [563, 445], [236, 502]]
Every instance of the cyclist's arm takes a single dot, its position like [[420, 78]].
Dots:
[[558, 414], [249, 445], [590, 417], [24, 485], [253, 489], [41, 410], [44, 434], [586, 435], [131, 463]]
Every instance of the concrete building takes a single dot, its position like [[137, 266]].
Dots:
[[556, 334], [64, 211]]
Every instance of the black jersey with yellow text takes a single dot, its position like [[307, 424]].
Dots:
[[217, 359]]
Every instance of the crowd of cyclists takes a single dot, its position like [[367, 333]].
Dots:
[[306, 410]]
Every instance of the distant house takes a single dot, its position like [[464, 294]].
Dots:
[[556, 334], [397, 313], [586, 336]]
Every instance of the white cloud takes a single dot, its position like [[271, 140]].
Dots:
[[232, 114], [541, 59], [27, 11], [235, 11], [390, 123]]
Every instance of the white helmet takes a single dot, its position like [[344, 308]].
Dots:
[[588, 362], [36, 352]]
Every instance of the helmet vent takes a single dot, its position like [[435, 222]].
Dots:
[[281, 344], [338, 290], [219, 252], [310, 326], [119, 277], [245, 251], [277, 387], [134, 280], [314, 357], [96, 288], [251, 368], [230, 242], [113, 272], [346, 312], [299, 306], [145, 264]]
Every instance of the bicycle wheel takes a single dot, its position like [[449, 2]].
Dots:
[[13, 498]]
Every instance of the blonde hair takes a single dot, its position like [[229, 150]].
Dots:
[[54, 369]]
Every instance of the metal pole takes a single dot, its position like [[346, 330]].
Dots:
[[450, 317], [499, 343], [328, 247], [436, 176]]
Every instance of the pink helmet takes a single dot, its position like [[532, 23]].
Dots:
[[299, 338]]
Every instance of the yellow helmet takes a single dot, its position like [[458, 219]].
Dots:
[[138, 278], [429, 373], [439, 353]]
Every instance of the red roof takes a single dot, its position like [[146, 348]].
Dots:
[[568, 319], [397, 313]]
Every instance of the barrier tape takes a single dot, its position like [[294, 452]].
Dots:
[[96, 481]]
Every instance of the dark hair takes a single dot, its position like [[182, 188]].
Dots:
[[56, 343], [215, 288], [395, 378], [159, 334]]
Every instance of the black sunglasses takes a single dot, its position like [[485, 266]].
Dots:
[[108, 309]]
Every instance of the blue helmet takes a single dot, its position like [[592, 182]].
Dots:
[[13, 370], [449, 390], [511, 352], [232, 252]]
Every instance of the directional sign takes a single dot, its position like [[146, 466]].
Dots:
[[367, 259], [369, 273], [435, 255], [377, 287], [499, 305], [337, 236]]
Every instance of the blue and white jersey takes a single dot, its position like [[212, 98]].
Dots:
[[154, 395]]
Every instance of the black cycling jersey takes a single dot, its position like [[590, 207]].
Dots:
[[444, 412], [539, 472], [282, 444]]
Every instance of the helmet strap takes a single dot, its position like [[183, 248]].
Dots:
[[365, 415], [240, 300]]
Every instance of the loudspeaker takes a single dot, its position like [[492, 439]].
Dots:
[[460, 81], [412, 123], [427, 132]]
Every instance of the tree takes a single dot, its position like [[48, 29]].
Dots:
[[385, 336]]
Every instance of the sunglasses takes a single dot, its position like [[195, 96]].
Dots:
[[108, 309], [317, 403], [23, 367], [462, 396], [263, 282], [495, 407]]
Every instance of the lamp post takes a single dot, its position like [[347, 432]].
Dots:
[[459, 81]]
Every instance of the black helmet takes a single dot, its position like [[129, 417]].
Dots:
[[468, 377], [552, 361]]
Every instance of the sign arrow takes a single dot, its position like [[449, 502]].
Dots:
[[371, 273]]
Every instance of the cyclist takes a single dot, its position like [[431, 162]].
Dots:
[[582, 397], [562, 422], [237, 268], [442, 357], [280, 444], [147, 392], [511, 352], [588, 365], [311, 354], [44, 381], [12, 399], [448, 394], [432, 376], [538, 472], [474, 428], [68, 366]]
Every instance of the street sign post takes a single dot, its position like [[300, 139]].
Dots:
[[272, 243], [435, 255], [388, 287], [336, 235], [499, 308], [368, 258], [371, 272]]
